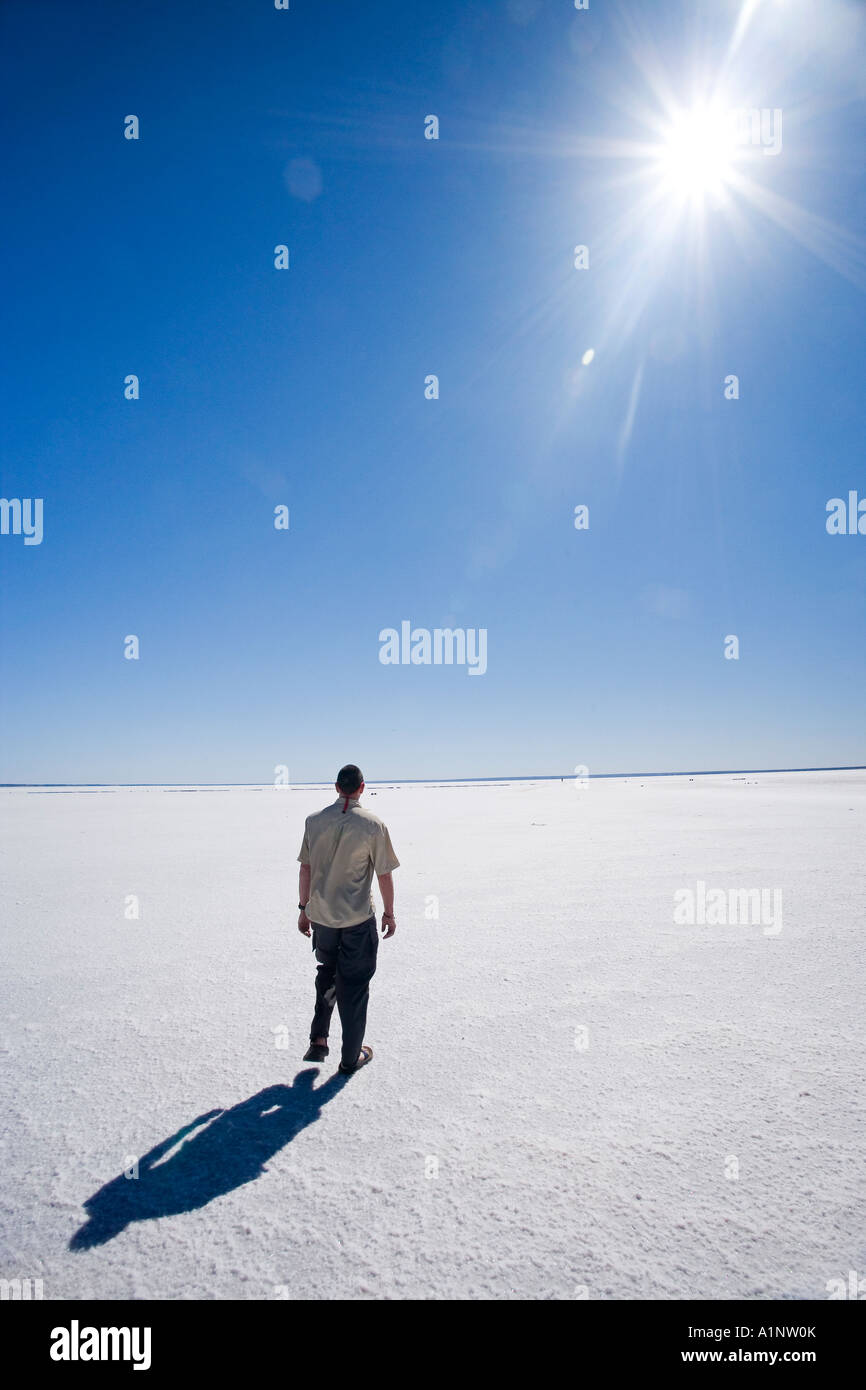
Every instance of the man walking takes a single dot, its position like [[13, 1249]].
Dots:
[[342, 846]]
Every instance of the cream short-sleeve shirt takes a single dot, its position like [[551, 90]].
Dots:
[[343, 851]]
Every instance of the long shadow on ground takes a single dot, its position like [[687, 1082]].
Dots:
[[188, 1170]]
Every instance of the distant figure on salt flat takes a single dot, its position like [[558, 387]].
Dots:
[[342, 847]]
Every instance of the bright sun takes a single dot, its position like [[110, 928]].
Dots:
[[697, 152]]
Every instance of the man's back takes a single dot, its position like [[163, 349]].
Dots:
[[344, 847]]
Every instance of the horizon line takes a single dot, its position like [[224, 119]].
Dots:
[[442, 781]]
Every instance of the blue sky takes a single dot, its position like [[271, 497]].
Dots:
[[305, 387]]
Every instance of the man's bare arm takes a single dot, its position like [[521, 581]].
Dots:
[[304, 897], [386, 888]]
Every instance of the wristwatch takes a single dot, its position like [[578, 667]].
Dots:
[[303, 906]]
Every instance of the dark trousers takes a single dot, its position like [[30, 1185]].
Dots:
[[347, 964]]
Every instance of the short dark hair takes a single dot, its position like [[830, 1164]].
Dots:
[[349, 778]]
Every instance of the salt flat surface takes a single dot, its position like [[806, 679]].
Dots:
[[565, 1079]]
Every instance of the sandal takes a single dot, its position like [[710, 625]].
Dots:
[[366, 1056], [316, 1053]]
